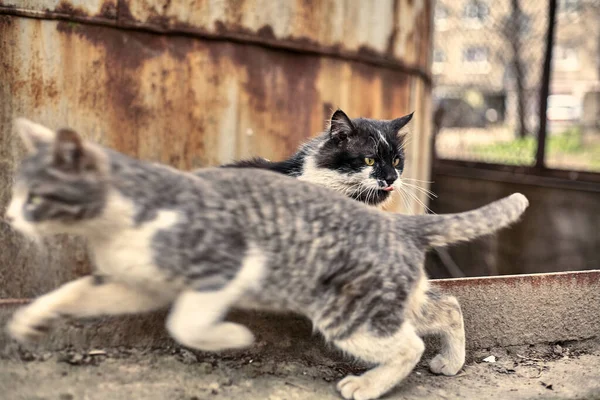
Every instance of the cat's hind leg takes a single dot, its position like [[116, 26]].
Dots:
[[441, 315], [395, 356]]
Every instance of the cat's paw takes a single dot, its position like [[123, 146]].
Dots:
[[224, 336], [358, 388], [232, 336], [28, 325], [443, 365]]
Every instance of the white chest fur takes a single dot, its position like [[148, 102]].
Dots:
[[124, 250]]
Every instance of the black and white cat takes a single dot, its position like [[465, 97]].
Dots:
[[361, 158]]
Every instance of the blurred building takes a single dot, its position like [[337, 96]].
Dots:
[[488, 55]]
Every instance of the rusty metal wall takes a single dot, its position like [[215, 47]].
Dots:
[[200, 83], [397, 30]]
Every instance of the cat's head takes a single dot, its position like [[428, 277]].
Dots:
[[362, 158], [61, 182]]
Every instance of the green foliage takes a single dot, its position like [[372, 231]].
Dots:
[[568, 145]]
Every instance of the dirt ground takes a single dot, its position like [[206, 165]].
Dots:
[[570, 371]]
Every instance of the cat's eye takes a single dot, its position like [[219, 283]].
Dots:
[[396, 162], [34, 200], [369, 161]]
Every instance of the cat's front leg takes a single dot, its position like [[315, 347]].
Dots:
[[85, 297], [196, 322], [31, 323]]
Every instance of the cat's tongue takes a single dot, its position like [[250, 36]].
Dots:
[[389, 188]]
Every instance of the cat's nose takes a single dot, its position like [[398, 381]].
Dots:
[[390, 179]]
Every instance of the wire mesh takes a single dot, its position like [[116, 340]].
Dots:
[[487, 66]]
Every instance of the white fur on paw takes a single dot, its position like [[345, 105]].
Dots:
[[225, 336], [358, 388], [28, 326], [446, 366], [235, 336]]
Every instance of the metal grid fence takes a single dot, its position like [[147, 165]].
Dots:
[[487, 65]]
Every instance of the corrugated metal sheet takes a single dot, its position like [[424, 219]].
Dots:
[[185, 99], [66, 7], [398, 31]]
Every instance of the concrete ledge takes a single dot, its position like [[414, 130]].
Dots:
[[499, 312], [528, 309]]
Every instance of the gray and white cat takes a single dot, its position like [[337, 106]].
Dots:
[[361, 158], [220, 238]]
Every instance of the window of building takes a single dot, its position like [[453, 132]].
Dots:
[[476, 13], [565, 57], [475, 54], [568, 6], [439, 56], [441, 15], [476, 59], [439, 59]]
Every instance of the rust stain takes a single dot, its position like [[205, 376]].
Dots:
[[50, 89], [233, 30], [580, 278], [423, 27], [35, 78], [303, 43], [276, 75], [126, 52], [266, 32], [124, 12], [235, 10], [65, 7], [9, 303], [395, 91], [391, 42], [108, 10]]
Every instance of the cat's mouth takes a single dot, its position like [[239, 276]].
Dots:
[[388, 188]]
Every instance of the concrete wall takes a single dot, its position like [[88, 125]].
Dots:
[[498, 312]]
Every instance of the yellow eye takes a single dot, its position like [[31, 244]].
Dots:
[[35, 200], [396, 162], [369, 161]]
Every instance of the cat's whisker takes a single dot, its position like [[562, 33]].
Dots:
[[401, 193], [405, 201], [419, 188], [407, 140], [416, 180], [416, 199], [368, 192], [373, 193], [431, 195], [427, 192]]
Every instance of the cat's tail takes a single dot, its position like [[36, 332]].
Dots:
[[256, 162], [442, 230]]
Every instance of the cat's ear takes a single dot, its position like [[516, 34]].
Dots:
[[401, 122], [398, 124], [341, 126], [70, 153], [33, 135]]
